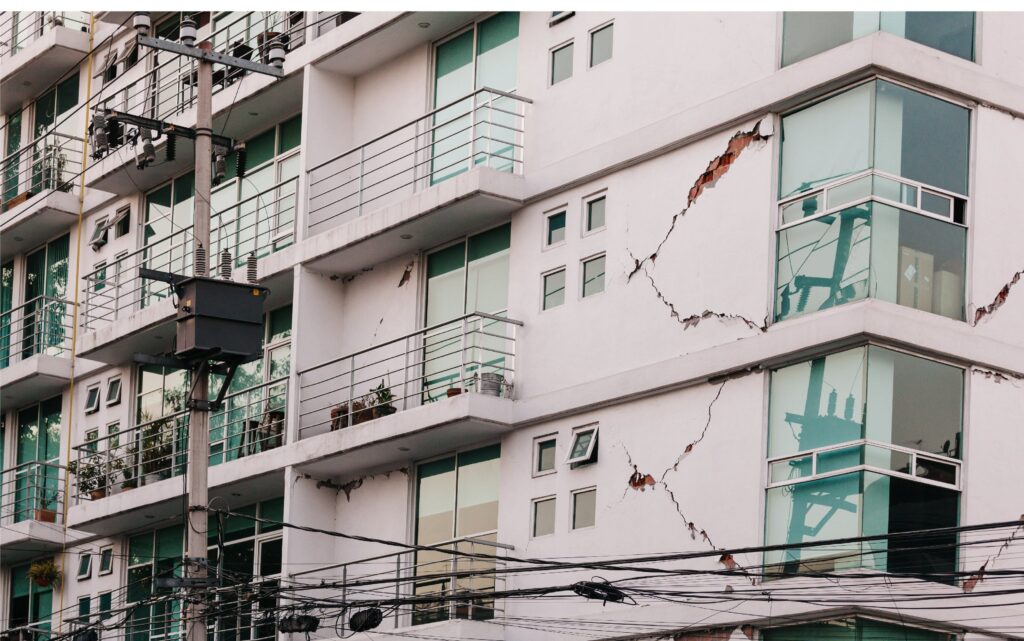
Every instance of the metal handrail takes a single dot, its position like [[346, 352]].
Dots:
[[51, 161], [42, 324], [42, 21], [32, 491], [464, 354]]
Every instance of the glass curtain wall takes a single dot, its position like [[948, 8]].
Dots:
[[6, 304], [469, 276], [37, 487], [864, 442], [46, 283], [169, 211], [151, 555], [12, 167], [873, 202], [808, 33], [475, 131], [456, 497], [29, 604]]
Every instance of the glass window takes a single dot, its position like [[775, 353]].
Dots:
[[595, 214], [561, 64], [544, 516], [114, 391], [593, 276], [808, 33], [584, 508], [106, 561], [584, 447], [545, 456], [554, 289], [601, 45], [84, 607], [123, 222], [84, 565], [555, 228], [105, 605]]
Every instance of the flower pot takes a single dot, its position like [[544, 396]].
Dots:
[[98, 493], [46, 516], [491, 383], [454, 391], [129, 485], [360, 414], [151, 478], [339, 416], [384, 410]]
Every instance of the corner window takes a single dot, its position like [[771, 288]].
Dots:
[[92, 399], [106, 563], [554, 228], [584, 508], [863, 442], [595, 214], [84, 566], [544, 456], [554, 289], [873, 200], [543, 517], [114, 391], [561, 64], [601, 45], [593, 276], [808, 33], [584, 446]]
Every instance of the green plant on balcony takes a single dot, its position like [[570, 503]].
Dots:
[[94, 476], [45, 574], [381, 400], [157, 451], [129, 467]]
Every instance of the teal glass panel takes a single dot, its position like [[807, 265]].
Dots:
[[556, 228], [489, 242], [595, 213], [272, 510], [554, 289], [949, 31], [260, 148], [435, 501], [67, 94], [477, 491], [851, 629], [496, 51], [280, 321], [291, 134]]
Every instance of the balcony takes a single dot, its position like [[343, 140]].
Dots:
[[125, 472], [426, 574], [36, 49], [35, 350], [31, 510], [401, 392], [123, 314], [461, 163]]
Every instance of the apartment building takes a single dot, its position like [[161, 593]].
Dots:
[[716, 307]]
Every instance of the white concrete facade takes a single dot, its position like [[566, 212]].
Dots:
[[678, 136]]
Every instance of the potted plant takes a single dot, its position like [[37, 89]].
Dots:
[[45, 573], [43, 513], [360, 410], [129, 469], [156, 453], [93, 477], [453, 391], [381, 401]]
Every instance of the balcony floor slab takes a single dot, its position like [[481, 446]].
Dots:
[[39, 65], [42, 217], [27, 539]]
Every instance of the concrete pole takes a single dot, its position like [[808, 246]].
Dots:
[[199, 419]]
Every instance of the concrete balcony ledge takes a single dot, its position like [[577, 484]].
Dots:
[[42, 217], [149, 330], [28, 539], [40, 64], [469, 201], [33, 379], [392, 440]]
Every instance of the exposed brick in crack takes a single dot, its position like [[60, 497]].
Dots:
[[1000, 298], [407, 274], [694, 319], [998, 377], [716, 168], [972, 582]]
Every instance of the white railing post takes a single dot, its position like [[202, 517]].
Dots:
[[405, 375], [462, 355], [362, 159]]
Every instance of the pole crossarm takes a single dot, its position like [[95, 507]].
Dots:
[[210, 56], [166, 127]]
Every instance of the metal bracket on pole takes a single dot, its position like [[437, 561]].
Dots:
[[165, 127], [210, 56]]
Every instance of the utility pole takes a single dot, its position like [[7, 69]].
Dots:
[[196, 576]]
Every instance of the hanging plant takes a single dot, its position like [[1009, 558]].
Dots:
[[45, 573]]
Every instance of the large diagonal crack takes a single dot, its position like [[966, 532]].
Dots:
[[976, 578], [717, 167], [1000, 298]]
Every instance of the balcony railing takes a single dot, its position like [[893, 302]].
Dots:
[[485, 128], [473, 353], [263, 224], [464, 580], [32, 492], [51, 161], [19, 28], [40, 326], [251, 421]]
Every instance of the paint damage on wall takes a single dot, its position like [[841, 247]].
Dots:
[[997, 302]]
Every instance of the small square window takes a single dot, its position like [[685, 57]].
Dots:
[[114, 390], [561, 64], [84, 565], [84, 608], [554, 289], [106, 605], [593, 276], [543, 516], [99, 234], [555, 232], [122, 222], [584, 508], [544, 462], [106, 565], [595, 214], [584, 446], [601, 45], [92, 399]]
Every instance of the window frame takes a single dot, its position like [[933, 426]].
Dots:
[[587, 201], [610, 24], [533, 516], [537, 442], [590, 455], [104, 552], [572, 512], [119, 387], [546, 231], [583, 275], [543, 285], [120, 215], [84, 570], [90, 406], [565, 44]]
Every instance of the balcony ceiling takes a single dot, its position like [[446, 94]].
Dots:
[[43, 62]]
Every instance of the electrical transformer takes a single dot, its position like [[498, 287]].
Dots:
[[219, 318]]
